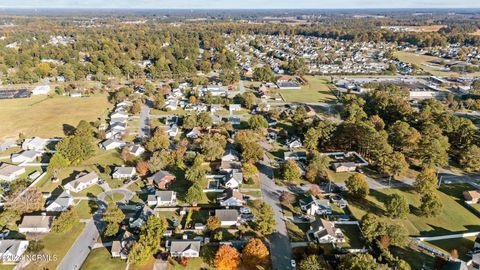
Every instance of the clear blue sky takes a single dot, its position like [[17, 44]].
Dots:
[[245, 4]]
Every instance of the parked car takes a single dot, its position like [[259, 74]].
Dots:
[[293, 263], [245, 210]]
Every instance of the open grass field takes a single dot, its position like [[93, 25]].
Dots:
[[454, 217], [414, 258], [462, 245], [317, 90], [425, 63], [45, 116], [100, 259]]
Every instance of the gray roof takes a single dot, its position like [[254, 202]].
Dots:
[[39, 221], [10, 245], [227, 214], [83, 178], [164, 195], [178, 246], [62, 200], [26, 153], [124, 170]]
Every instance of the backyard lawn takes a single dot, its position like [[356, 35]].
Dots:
[[454, 217], [317, 90], [46, 117], [100, 259], [414, 258], [462, 245], [352, 236]]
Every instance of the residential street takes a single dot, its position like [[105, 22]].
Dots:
[[281, 252], [145, 121], [79, 251]]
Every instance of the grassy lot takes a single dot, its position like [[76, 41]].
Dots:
[[83, 210], [423, 62], [297, 232], [454, 217], [45, 117], [339, 177], [7, 266], [414, 258], [93, 190], [317, 90], [462, 245], [115, 197], [352, 236], [146, 266], [59, 244], [100, 259]]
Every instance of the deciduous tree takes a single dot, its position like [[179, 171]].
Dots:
[[227, 258]]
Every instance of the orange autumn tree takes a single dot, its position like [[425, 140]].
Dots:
[[142, 168], [255, 254], [227, 258]]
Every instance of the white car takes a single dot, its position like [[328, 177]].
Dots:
[[293, 263]]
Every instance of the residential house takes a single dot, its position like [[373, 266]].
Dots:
[[124, 172], [110, 144], [161, 179], [234, 120], [297, 156], [163, 198], [116, 249], [35, 143], [140, 217], [172, 131], [9, 172], [231, 197], [344, 166], [228, 217], [230, 166], [122, 247], [41, 90], [325, 232], [25, 156], [234, 108], [472, 196], [193, 134], [313, 206], [60, 203], [185, 248], [136, 149], [81, 182], [36, 224], [216, 107], [11, 250], [294, 143], [230, 155], [119, 114], [233, 180]]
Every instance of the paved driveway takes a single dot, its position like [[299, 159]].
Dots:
[[144, 131], [281, 251]]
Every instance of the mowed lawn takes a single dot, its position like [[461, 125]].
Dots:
[[317, 90], [454, 217], [45, 116], [424, 62], [462, 245], [101, 259]]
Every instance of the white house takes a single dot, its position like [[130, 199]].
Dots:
[[193, 134], [136, 149], [11, 250], [120, 114], [233, 180], [36, 224], [110, 144], [228, 217], [82, 181], [231, 198], [172, 131], [295, 143], [35, 143], [234, 108], [325, 232], [166, 198], [185, 248], [9, 172], [25, 156], [230, 155], [41, 90], [313, 206], [61, 203], [124, 172]]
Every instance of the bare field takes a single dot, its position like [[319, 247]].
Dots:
[[46, 116]]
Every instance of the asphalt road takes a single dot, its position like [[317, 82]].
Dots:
[[81, 248], [144, 131], [281, 251]]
